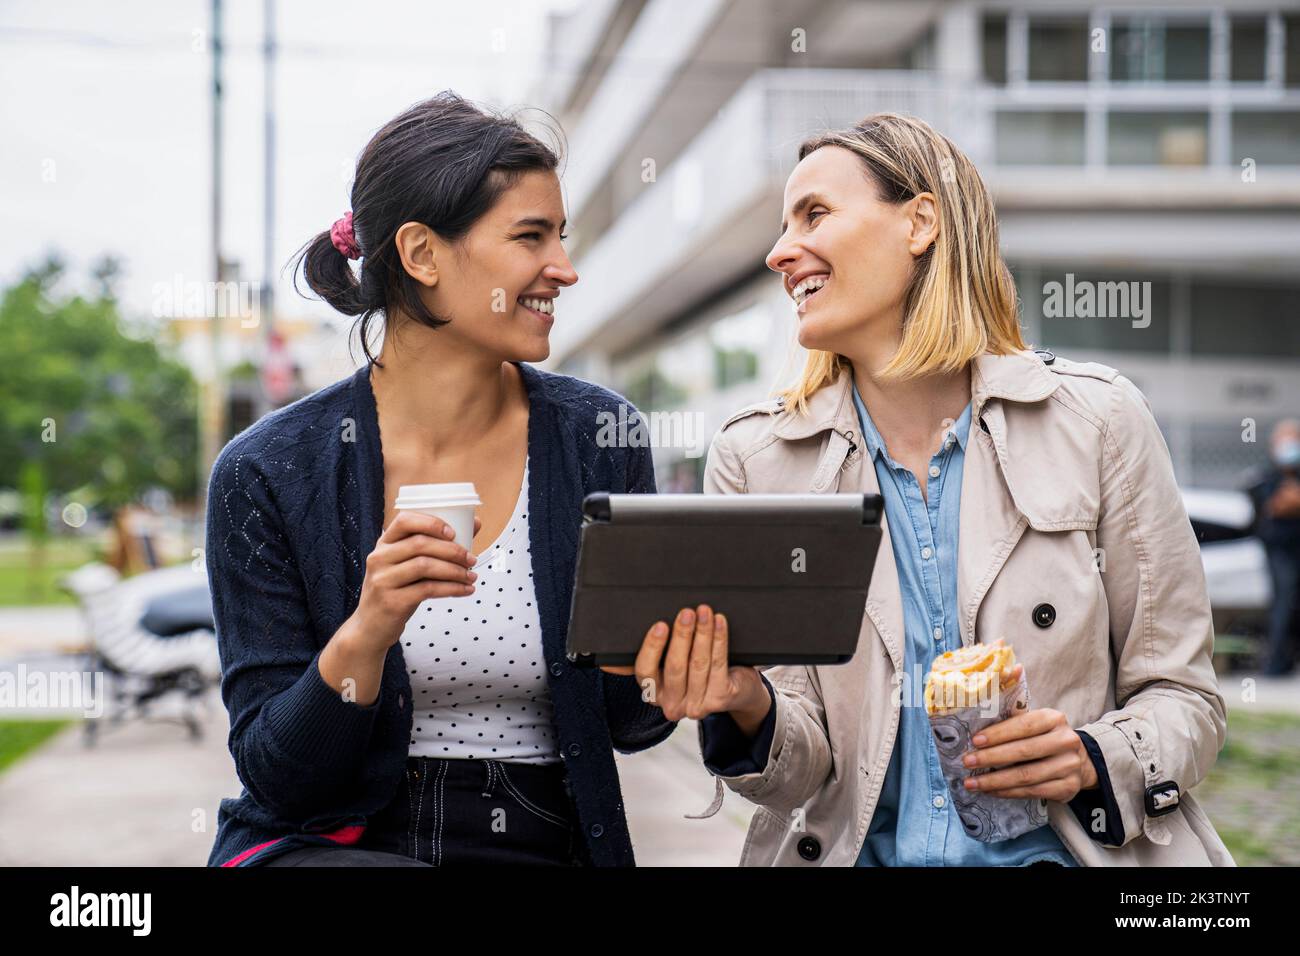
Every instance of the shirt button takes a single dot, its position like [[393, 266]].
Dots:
[[925, 553], [938, 803], [934, 471], [938, 634], [574, 750], [557, 669]]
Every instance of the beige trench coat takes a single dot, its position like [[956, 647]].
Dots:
[[1068, 498]]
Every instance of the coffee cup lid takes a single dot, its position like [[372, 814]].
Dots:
[[449, 493]]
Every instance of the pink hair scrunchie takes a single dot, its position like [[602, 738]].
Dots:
[[345, 241]]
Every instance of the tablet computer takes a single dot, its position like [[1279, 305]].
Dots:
[[790, 572]]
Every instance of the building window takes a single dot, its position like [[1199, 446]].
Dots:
[[1097, 311], [1249, 45], [1152, 50], [995, 48], [1218, 456], [1039, 139], [1291, 29], [920, 55], [736, 340], [1266, 137], [1058, 50], [1240, 319], [1158, 139]]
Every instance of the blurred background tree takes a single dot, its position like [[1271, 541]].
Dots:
[[90, 406]]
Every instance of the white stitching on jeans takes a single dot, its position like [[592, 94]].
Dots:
[[410, 811], [438, 815], [419, 804], [514, 791]]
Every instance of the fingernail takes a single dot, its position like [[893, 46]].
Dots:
[[968, 760], [448, 533], [971, 783], [704, 616], [979, 740], [472, 576], [660, 629], [685, 616]]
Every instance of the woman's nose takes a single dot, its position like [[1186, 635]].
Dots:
[[562, 271], [780, 257]]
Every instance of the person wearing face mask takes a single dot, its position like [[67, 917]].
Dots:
[[1027, 498], [1277, 523]]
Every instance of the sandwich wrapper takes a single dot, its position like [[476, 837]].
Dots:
[[966, 691]]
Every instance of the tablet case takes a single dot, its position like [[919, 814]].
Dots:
[[790, 572]]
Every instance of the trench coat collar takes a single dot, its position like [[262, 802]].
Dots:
[[1016, 377]]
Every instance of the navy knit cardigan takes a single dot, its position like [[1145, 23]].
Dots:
[[295, 504]]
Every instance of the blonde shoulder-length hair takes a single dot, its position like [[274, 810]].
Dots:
[[961, 301]]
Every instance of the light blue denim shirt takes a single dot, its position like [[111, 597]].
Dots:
[[914, 823]]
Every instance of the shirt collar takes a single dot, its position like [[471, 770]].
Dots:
[[875, 444]]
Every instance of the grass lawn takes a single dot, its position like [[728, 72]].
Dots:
[[18, 737], [1252, 794], [19, 585]]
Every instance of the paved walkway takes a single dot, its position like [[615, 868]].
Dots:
[[663, 784], [145, 795], [39, 630], [1250, 691]]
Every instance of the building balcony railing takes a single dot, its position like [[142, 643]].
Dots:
[[713, 214]]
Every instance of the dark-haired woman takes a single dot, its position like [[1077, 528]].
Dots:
[[394, 697]]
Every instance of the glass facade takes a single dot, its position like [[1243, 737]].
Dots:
[[1132, 74], [1058, 50], [1176, 98], [1266, 136], [1040, 139], [1153, 50], [1158, 139]]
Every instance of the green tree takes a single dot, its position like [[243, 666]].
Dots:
[[89, 404]]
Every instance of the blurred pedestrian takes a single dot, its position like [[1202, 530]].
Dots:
[[1277, 523]]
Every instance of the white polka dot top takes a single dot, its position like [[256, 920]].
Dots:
[[477, 671]]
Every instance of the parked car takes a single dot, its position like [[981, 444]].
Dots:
[[1236, 567]]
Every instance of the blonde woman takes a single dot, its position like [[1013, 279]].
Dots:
[[1027, 497]]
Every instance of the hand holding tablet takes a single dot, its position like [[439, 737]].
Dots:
[[683, 669]]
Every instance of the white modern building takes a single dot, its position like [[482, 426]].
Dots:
[[1151, 143]]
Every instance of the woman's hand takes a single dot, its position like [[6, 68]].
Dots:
[[1050, 759], [416, 558], [694, 679]]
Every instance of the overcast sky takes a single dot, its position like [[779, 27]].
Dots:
[[105, 117]]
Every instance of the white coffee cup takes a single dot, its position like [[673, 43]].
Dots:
[[454, 502]]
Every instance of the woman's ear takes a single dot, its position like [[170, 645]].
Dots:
[[924, 216], [417, 248]]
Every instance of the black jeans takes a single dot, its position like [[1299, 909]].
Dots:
[[447, 812], [1284, 568]]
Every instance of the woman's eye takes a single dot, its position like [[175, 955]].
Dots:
[[815, 212], [529, 235], [563, 236]]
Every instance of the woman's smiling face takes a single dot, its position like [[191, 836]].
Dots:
[[499, 285], [845, 254]]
